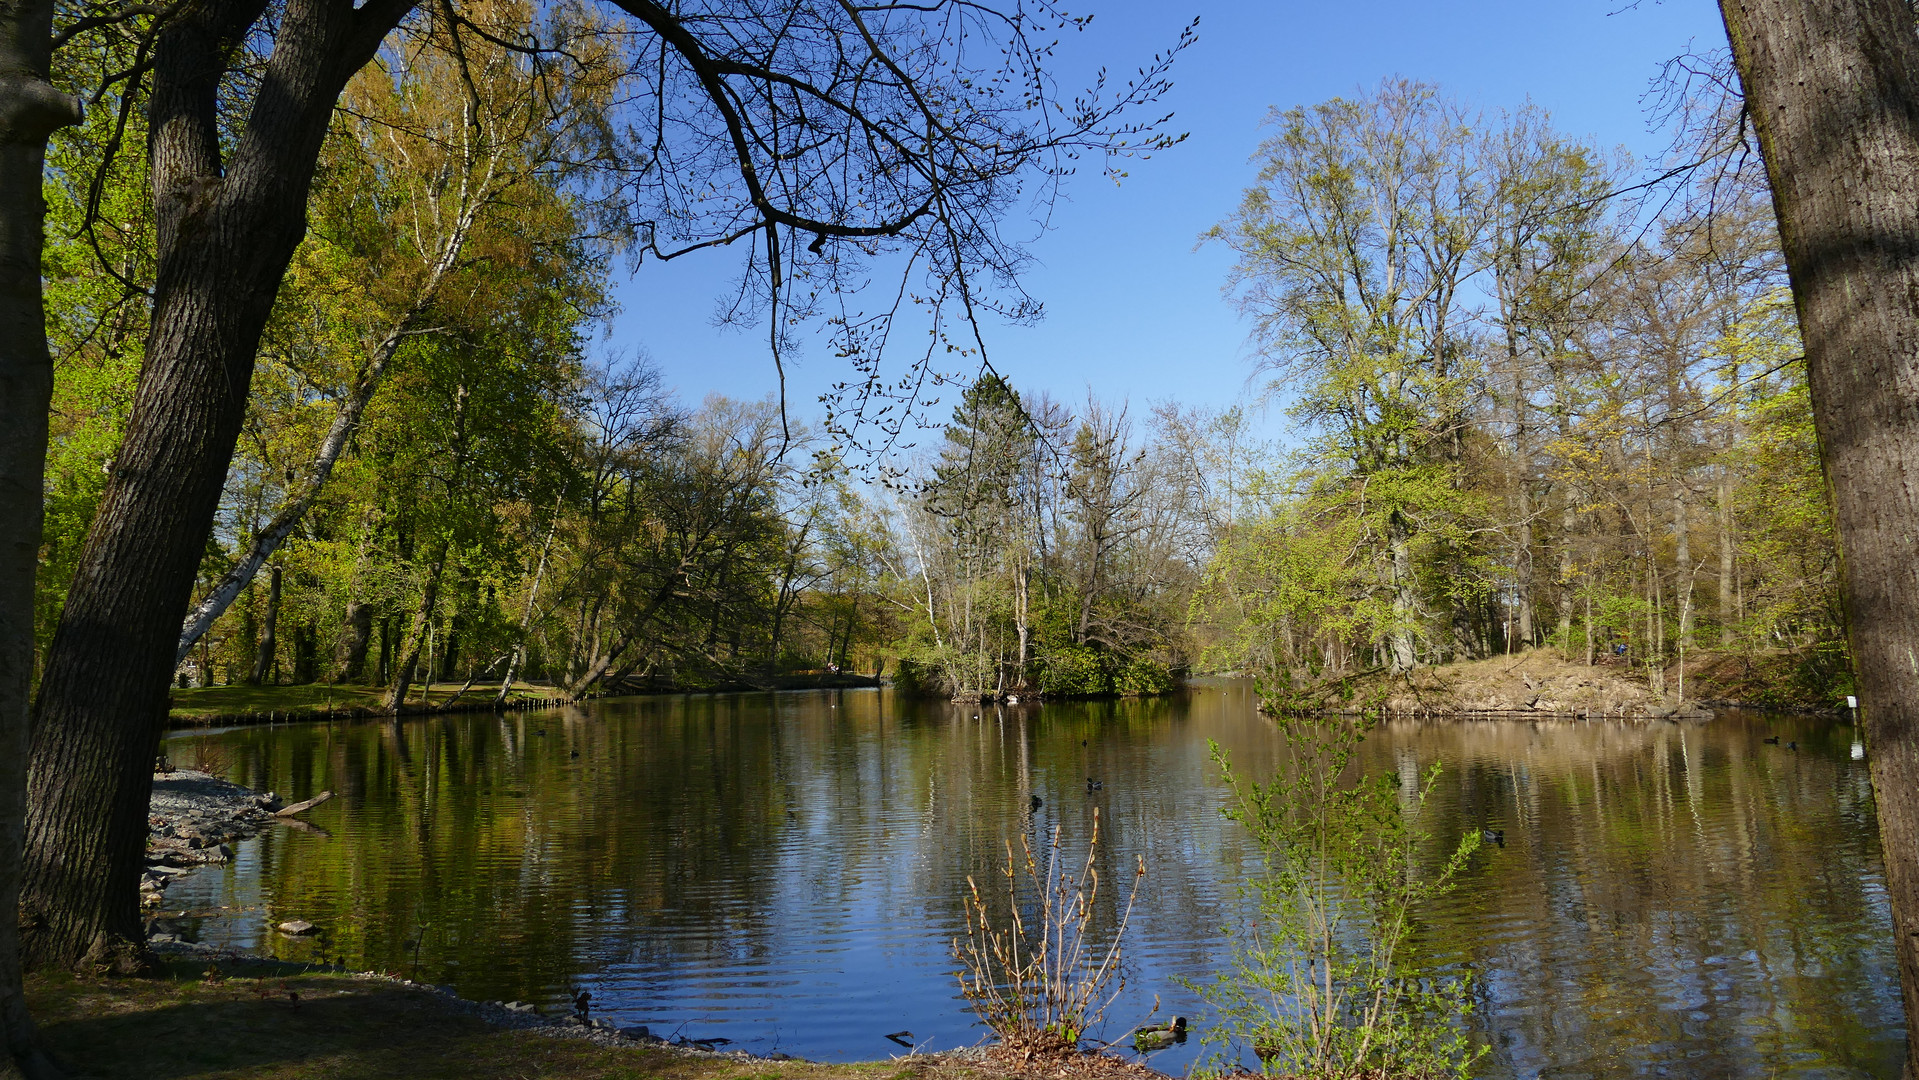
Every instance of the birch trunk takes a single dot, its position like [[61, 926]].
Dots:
[[339, 434]]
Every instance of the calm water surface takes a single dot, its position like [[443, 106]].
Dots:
[[786, 870]]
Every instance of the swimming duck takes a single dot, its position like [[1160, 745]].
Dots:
[[1493, 836], [1094, 785], [1036, 802], [1159, 1036], [1771, 741]]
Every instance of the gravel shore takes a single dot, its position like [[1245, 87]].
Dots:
[[193, 821]]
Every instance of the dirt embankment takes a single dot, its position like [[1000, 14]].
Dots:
[[1541, 682]]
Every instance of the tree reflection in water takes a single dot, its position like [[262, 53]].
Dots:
[[786, 870]]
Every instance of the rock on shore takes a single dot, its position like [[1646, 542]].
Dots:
[[193, 820]]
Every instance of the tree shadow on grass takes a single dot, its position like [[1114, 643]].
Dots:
[[294, 1029]]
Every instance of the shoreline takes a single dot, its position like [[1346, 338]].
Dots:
[[1534, 685], [181, 718], [195, 817]]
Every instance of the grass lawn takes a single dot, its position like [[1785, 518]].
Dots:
[[201, 703], [335, 1027]]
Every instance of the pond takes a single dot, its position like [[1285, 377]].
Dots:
[[786, 870]]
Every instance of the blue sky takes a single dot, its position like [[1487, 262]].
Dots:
[[1133, 310]]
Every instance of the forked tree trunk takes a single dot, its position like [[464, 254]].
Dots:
[[1832, 87], [30, 110], [226, 226]]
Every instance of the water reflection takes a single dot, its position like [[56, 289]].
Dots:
[[786, 870]]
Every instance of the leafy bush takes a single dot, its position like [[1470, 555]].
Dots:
[[912, 679], [1081, 671], [1142, 676], [1074, 670], [1323, 982]]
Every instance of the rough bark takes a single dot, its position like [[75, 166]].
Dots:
[[403, 671], [1832, 87], [1728, 618], [30, 111], [355, 633], [1402, 641], [269, 633], [225, 227]]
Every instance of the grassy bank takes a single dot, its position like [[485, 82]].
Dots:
[[337, 1027], [202, 704], [224, 704]]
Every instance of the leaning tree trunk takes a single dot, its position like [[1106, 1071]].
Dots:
[[226, 227], [1832, 87], [30, 110], [334, 443]]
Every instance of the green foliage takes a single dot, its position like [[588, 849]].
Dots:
[[1037, 570], [1074, 671], [1081, 671], [97, 261], [1326, 982], [1142, 675]]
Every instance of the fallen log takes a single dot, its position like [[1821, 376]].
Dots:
[[303, 807]]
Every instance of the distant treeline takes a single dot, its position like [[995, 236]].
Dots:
[[1526, 411]]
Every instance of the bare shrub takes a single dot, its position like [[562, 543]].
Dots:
[[1036, 972]]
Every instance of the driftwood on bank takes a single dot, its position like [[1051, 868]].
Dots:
[[303, 807]]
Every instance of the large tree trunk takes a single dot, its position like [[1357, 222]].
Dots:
[[416, 636], [269, 632], [1401, 642], [30, 110], [356, 631], [225, 230], [1682, 560], [1832, 87]]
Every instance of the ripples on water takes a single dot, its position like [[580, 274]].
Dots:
[[786, 870]]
